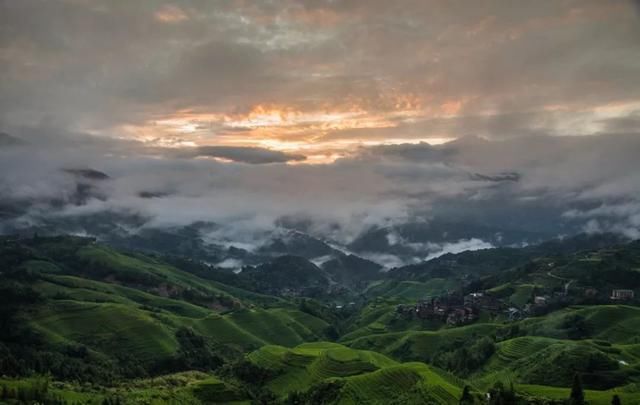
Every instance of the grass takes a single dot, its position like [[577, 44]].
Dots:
[[411, 291], [409, 383], [108, 328], [418, 345], [547, 361], [380, 317], [369, 377], [516, 349], [215, 390], [593, 397], [80, 289], [160, 275], [125, 319], [614, 323], [522, 294], [10, 387], [114, 328], [140, 320], [191, 387]]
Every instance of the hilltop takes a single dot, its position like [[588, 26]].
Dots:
[[516, 322]]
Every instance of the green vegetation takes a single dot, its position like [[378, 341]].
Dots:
[[87, 313], [84, 323], [365, 377], [411, 290]]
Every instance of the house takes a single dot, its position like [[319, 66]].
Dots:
[[425, 309], [461, 316], [473, 298], [622, 295], [590, 293], [514, 314], [405, 310], [482, 301]]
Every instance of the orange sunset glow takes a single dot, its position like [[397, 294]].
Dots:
[[320, 202], [322, 81]]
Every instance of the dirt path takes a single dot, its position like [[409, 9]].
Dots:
[[566, 285]]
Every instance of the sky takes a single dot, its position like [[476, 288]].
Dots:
[[350, 113]]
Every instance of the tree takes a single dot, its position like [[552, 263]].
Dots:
[[466, 397], [577, 393], [577, 327], [616, 400]]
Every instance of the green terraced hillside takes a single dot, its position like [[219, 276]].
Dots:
[[107, 325], [553, 362], [110, 310], [365, 376]]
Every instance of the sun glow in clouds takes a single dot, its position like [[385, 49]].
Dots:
[[285, 129]]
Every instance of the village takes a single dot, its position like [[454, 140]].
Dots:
[[456, 309], [453, 309]]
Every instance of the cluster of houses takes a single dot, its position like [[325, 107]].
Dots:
[[458, 310], [452, 309]]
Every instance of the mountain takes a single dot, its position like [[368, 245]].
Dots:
[[296, 243], [288, 275], [114, 325], [351, 270], [477, 263], [72, 289], [416, 241]]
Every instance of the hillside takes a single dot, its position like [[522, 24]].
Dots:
[[127, 311], [86, 322], [358, 376]]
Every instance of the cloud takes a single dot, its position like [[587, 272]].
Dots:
[[7, 140], [563, 183], [459, 246], [403, 72], [252, 83], [495, 178], [252, 155]]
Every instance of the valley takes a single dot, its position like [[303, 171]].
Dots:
[[84, 322]]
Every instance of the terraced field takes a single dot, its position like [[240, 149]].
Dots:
[[108, 328], [410, 381], [119, 328], [522, 294], [614, 323], [115, 305], [418, 345], [81, 289], [592, 396], [539, 360], [188, 388], [214, 390], [145, 269], [407, 291], [369, 376], [516, 349], [130, 305]]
